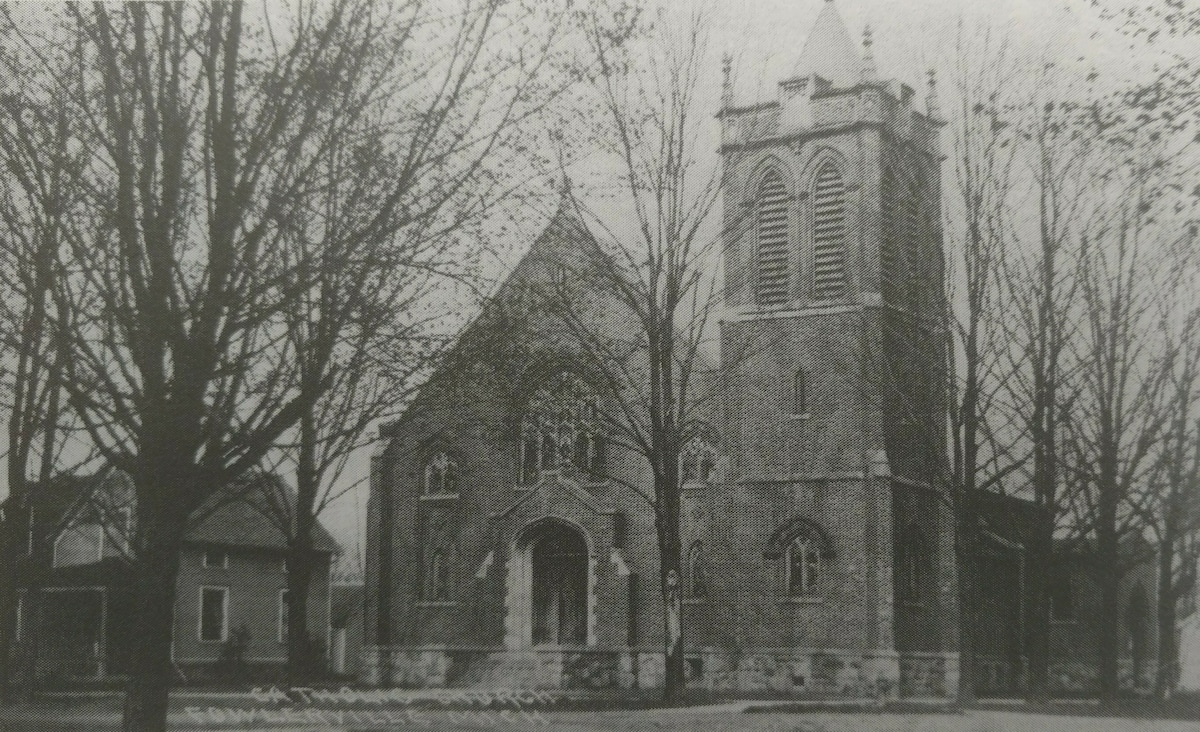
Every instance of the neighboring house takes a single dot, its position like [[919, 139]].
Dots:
[[509, 542], [232, 576]]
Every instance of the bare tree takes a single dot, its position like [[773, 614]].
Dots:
[[38, 209], [393, 212], [211, 127], [1039, 282], [984, 82], [659, 270]]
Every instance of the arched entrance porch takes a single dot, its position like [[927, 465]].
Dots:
[[550, 586]]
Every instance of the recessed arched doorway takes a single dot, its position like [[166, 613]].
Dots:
[[560, 564], [549, 586]]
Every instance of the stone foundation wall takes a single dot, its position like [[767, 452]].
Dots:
[[820, 672]]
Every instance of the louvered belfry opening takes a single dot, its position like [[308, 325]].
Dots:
[[889, 254], [912, 244], [829, 230], [772, 240]]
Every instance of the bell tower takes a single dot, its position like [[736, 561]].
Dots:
[[832, 343]]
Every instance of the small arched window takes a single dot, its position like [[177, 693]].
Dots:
[[440, 476], [772, 276], [697, 573], [560, 429], [697, 460], [800, 392], [913, 562], [829, 233], [803, 566]]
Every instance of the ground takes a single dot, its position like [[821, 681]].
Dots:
[[207, 711]]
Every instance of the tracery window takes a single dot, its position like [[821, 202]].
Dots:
[[440, 476], [697, 460], [829, 233], [560, 429], [803, 567], [697, 572], [889, 255], [772, 239]]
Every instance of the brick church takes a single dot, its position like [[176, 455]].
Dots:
[[818, 554]]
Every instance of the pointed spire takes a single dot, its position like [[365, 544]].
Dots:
[[829, 51], [727, 83], [932, 106], [869, 72]]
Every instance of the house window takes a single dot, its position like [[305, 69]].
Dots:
[[800, 392], [283, 616], [560, 429], [214, 614], [772, 239], [216, 559], [697, 576], [912, 561], [440, 476], [803, 566], [829, 229], [697, 460]]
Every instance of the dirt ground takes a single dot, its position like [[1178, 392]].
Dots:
[[218, 714]]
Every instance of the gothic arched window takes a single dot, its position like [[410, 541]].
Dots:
[[772, 203], [696, 572], [560, 429], [803, 565], [439, 476], [829, 233], [697, 460], [436, 576], [912, 561]]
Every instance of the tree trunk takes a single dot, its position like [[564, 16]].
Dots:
[[302, 656], [1168, 654], [672, 589], [1037, 574], [965, 553], [147, 694], [1109, 626]]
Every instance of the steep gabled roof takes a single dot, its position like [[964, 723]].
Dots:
[[239, 514], [829, 51], [249, 513]]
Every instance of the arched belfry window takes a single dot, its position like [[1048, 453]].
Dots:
[[772, 203], [560, 429], [440, 476], [697, 460], [829, 233], [697, 573]]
